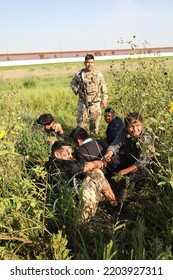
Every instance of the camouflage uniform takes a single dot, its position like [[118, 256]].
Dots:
[[92, 186], [96, 93]]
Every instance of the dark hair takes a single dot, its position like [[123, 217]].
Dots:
[[57, 145], [45, 119], [79, 132], [110, 110], [132, 118], [89, 56]]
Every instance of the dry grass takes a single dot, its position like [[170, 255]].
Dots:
[[60, 70], [17, 73]]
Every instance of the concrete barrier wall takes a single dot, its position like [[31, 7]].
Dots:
[[78, 59]]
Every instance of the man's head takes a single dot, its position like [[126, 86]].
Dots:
[[46, 121], [134, 124], [89, 62], [109, 115], [79, 135], [62, 150]]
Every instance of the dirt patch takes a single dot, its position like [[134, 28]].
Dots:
[[17, 74]]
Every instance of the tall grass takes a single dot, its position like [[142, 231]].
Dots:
[[41, 222]]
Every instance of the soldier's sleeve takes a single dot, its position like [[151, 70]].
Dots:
[[75, 84], [103, 87]]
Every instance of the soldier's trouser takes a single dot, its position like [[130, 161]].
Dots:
[[93, 113], [95, 184]]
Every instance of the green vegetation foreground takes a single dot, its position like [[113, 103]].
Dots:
[[38, 223]]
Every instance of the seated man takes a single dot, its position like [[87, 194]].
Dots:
[[94, 184], [114, 125], [47, 124], [87, 148], [132, 149]]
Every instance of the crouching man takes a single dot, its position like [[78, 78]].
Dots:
[[52, 130], [132, 150], [94, 184]]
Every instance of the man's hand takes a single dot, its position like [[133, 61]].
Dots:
[[104, 104], [107, 156], [98, 164], [80, 92], [91, 165], [58, 128]]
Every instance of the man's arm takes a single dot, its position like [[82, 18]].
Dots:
[[96, 164], [115, 145], [103, 89], [75, 84], [128, 170]]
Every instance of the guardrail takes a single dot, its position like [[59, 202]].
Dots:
[[79, 59]]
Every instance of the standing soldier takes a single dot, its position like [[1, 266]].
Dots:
[[90, 85]]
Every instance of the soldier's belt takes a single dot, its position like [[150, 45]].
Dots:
[[90, 103]]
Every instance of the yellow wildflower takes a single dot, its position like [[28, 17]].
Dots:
[[2, 133], [171, 108], [11, 83]]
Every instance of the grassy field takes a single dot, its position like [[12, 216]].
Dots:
[[35, 227]]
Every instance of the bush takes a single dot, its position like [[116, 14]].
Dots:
[[29, 83]]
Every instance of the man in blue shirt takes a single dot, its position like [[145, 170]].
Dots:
[[114, 125]]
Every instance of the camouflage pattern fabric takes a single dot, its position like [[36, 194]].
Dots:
[[95, 84], [96, 93], [93, 113], [91, 191]]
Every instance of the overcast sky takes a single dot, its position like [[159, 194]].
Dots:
[[64, 25]]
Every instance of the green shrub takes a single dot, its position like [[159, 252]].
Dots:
[[30, 83]]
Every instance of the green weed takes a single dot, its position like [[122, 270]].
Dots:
[[38, 221]]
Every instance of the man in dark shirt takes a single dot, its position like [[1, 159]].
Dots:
[[114, 125], [94, 184], [87, 148], [132, 148]]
